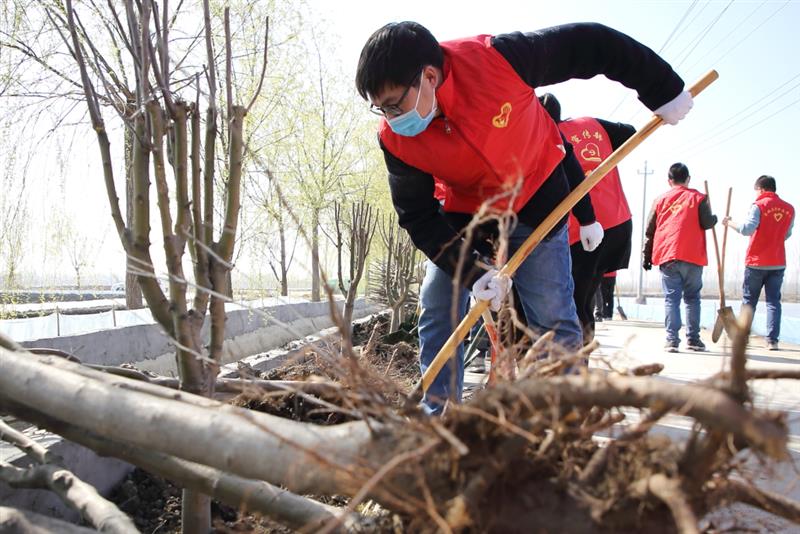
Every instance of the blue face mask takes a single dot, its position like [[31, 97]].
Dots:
[[411, 123]]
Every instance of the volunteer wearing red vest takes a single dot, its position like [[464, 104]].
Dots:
[[769, 223], [465, 112], [593, 140], [676, 242]]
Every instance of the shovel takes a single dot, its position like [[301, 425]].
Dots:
[[620, 311], [725, 317], [563, 208]]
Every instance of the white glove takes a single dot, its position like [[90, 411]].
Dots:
[[676, 109], [591, 236], [493, 288]]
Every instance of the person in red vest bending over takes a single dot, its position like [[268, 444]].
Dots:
[[769, 223], [465, 112], [593, 140], [676, 242]]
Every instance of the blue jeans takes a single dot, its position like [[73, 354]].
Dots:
[[771, 280], [544, 285], [682, 279]]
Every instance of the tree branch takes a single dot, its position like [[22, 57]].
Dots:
[[79, 495]]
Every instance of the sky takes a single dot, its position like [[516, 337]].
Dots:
[[744, 125], [741, 127]]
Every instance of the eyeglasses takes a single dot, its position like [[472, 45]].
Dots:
[[394, 110]]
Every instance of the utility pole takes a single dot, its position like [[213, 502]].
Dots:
[[640, 298]]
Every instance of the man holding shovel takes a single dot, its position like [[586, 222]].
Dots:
[[769, 223], [465, 112], [676, 242]]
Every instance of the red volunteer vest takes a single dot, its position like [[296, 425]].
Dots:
[[592, 146], [678, 232], [766, 247], [496, 143]]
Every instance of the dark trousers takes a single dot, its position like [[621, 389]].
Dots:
[[604, 298], [588, 269], [771, 280]]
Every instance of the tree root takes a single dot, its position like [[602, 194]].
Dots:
[[710, 407], [669, 491], [724, 492]]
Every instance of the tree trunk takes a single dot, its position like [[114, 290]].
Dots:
[[133, 293], [315, 282], [284, 267], [195, 512], [394, 324]]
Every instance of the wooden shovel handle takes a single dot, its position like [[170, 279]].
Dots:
[[725, 229], [533, 240], [716, 248]]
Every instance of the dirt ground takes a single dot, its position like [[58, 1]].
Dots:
[[155, 503]]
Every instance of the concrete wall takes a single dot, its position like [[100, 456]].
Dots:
[[247, 332], [251, 333]]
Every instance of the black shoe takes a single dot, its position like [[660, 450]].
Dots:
[[598, 319], [671, 346], [478, 365], [696, 345]]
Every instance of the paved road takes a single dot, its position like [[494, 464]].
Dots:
[[627, 344]]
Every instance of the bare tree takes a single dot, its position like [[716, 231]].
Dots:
[[395, 274], [353, 237], [169, 133], [279, 242], [321, 157]]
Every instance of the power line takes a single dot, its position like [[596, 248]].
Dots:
[[678, 25], [745, 19], [705, 32], [663, 46], [746, 129], [713, 132], [743, 39], [695, 41]]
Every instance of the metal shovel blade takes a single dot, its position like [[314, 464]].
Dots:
[[726, 320]]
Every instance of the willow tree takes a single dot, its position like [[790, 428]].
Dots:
[[174, 143]]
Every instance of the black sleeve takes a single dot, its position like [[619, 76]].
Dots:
[[420, 214], [618, 132], [707, 219], [649, 233], [584, 50], [583, 210]]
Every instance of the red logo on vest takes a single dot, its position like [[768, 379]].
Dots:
[[590, 142]]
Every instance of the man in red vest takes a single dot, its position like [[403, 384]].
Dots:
[[465, 113], [676, 242], [593, 140], [769, 223]]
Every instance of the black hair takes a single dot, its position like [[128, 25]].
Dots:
[[679, 173], [395, 55], [767, 183], [552, 106]]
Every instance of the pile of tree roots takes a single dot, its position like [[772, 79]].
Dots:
[[538, 451]]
